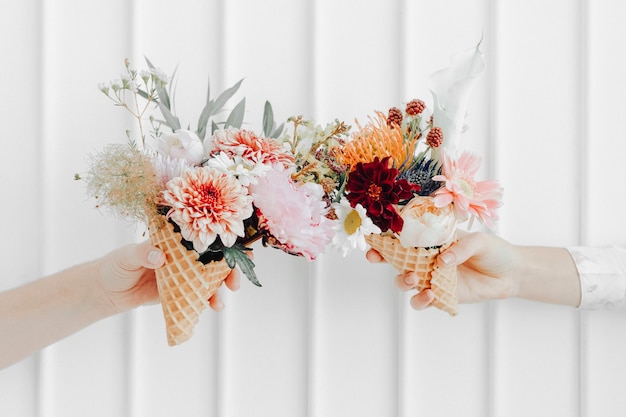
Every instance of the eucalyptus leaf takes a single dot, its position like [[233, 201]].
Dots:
[[149, 63], [143, 94], [277, 132], [235, 118], [268, 119], [170, 120], [164, 98], [223, 98]]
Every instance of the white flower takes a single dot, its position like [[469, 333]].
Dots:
[[426, 225], [351, 227], [104, 87], [246, 174], [450, 88], [182, 144], [145, 75], [116, 85], [167, 168]]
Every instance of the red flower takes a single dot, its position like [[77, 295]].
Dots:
[[374, 185]]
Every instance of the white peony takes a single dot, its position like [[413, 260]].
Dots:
[[426, 225], [182, 144]]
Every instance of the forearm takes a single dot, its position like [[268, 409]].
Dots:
[[40, 313], [548, 274]]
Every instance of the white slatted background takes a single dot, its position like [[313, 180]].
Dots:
[[334, 338]]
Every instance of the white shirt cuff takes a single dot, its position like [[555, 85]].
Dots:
[[602, 272]]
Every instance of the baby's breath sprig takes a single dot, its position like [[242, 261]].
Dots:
[[135, 91]]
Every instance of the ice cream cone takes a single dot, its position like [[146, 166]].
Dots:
[[443, 281], [184, 283]]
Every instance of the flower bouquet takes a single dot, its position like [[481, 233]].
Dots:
[[407, 187], [206, 194]]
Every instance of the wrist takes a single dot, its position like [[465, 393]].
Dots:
[[547, 274]]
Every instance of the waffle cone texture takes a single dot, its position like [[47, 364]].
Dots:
[[184, 283], [441, 280]]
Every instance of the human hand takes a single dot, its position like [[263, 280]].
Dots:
[[486, 268], [126, 277]]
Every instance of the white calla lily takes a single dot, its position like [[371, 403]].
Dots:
[[451, 88]]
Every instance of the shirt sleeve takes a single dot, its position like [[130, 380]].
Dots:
[[602, 272]]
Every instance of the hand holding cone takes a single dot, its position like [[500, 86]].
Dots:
[[442, 281], [184, 283]]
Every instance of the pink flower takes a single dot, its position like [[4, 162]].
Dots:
[[469, 197], [293, 214], [206, 204], [249, 146]]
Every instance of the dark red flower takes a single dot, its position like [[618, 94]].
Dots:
[[375, 186]]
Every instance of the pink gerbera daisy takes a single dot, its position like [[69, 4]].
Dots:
[[249, 146], [205, 204], [469, 197]]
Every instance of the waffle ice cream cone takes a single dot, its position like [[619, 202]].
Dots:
[[184, 283], [442, 281]]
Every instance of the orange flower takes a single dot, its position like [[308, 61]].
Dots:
[[377, 140]]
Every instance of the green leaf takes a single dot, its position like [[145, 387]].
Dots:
[[278, 131], [171, 120], [214, 127], [207, 111], [236, 256], [235, 118], [164, 98], [223, 98], [268, 119], [143, 94]]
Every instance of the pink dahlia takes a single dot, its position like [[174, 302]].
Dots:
[[469, 197], [293, 214], [205, 204], [249, 146]]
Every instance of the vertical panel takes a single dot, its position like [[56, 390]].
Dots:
[[441, 354], [265, 330], [357, 71], [538, 138], [604, 337], [184, 38], [20, 121], [335, 337], [84, 374]]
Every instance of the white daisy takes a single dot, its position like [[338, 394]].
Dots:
[[238, 168], [351, 227]]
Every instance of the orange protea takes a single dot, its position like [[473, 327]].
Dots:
[[377, 140]]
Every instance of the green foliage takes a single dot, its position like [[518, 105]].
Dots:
[[236, 256]]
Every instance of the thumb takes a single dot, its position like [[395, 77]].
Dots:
[[459, 252], [135, 256]]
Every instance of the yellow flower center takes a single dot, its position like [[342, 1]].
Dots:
[[467, 187], [352, 222], [374, 191]]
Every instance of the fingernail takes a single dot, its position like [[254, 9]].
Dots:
[[426, 297], [447, 258], [408, 279], [155, 257]]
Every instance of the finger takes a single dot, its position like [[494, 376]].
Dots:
[[422, 299], [460, 251], [374, 257], [407, 281], [232, 280], [141, 255], [216, 303]]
